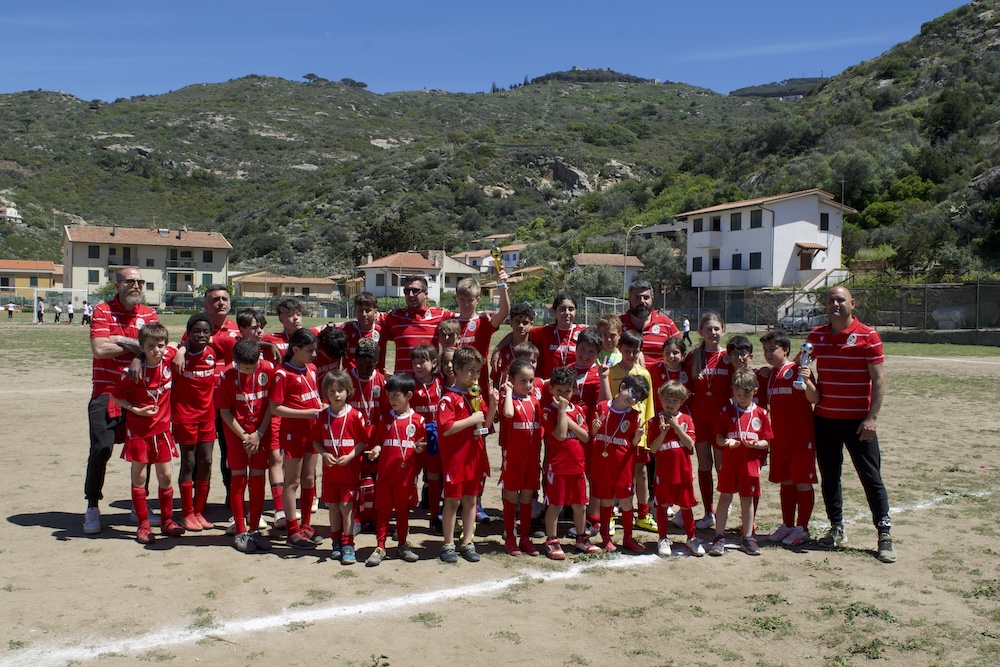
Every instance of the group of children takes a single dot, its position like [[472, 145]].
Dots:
[[582, 418]]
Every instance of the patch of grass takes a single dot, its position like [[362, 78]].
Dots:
[[157, 655], [16, 644], [209, 595], [9, 588], [856, 609], [507, 635], [428, 619], [939, 350], [773, 576], [578, 587], [295, 626], [624, 612], [642, 650], [203, 619], [346, 574], [770, 624], [697, 610], [763, 602], [873, 650], [986, 589], [576, 659]]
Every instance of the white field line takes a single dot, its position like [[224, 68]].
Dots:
[[166, 637], [927, 504], [960, 360]]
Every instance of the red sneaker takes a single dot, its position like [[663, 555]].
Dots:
[[609, 547], [555, 550], [511, 546], [588, 547], [205, 523], [527, 547], [144, 535], [190, 522], [300, 541], [171, 528], [633, 545]]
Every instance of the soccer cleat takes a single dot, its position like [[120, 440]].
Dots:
[[448, 554], [585, 546], [376, 558], [231, 526], [694, 546], [171, 528], [259, 541], [527, 547], [749, 546], [633, 545], [299, 540], [144, 535], [718, 546], [337, 552], [205, 523], [663, 547], [609, 547], [481, 515], [780, 533], [886, 552], [406, 552], [279, 520], [647, 523], [92, 521], [154, 518], [511, 545], [315, 504], [554, 549], [835, 537], [348, 556], [244, 543], [796, 537], [704, 522], [469, 552], [190, 522]]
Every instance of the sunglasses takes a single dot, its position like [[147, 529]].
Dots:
[[413, 290], [138, 282]]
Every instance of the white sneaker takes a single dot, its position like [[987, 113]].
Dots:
[[670, 512], [92, 521], [663, 547], [704, 522], [231, 528], [154, 517], [694, 546], [315, 504], [796, 537], [780, 533], [261, 524], [280, 522]]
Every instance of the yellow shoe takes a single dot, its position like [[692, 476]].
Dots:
[[647, 523]]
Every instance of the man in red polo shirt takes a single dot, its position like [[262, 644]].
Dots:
[[654, 326], [114, 331], [414, 325], [851, 386]]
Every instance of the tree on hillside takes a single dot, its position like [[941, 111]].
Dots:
[[593, 281], [665, 266], [347, 81]]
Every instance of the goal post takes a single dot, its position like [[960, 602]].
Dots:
[[63, 298], [596, 306]]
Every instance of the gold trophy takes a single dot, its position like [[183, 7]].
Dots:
[[497, 256], [475, 398]]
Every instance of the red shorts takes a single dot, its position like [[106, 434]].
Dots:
[[612, 476], [520, 473], [159, 448], [432, 463], [339, 493], [391, 495], [737, 480], [798, 466], [642, 456], [471, 487], [682, 494], [238, 459], [296, 444], [189, 435], [562, 490]]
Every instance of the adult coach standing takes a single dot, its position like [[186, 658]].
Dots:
[[114, 332], [654, 326], [851, 386], [414, 325]]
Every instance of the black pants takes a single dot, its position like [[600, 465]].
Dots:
[[102, 442], [687, 337], [220, 433], [832, 435]]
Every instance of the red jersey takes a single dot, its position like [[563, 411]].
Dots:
[[111, 319], [246, 396], [673, 460], [612, 454], [588, 387], [223, 341], [711, 388], [842, 360], [280, 341], [153, 388], [523, 431], [194, 388], [506, 357], [325, 364], [370, 397], [556, 347], [463, 454], [354, 334], [655, 333], [426, 397], [295, 388], [790, 411], [477, 332], [563, 457], [410, 328], [751, 425], [340, 435], [398, 436], [659, 375]]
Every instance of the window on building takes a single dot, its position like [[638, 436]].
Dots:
[[93, 252], [150, 286], [149, 263], [33, 281], [206, 256], [696, 264], [737, 262], [5, 281], [735, 221], [206, 279], [756, 219], [716, 223], [379, 280], [698, 225], [754, 260], [93, 276], [824, 222], [395, 280], [305, 291], [112, 251], [186, 254], [716, 263]]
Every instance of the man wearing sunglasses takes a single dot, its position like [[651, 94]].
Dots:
[[114, 332], [414, 325]]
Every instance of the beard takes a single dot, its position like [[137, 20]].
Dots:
[[641, 312], [130, 300]]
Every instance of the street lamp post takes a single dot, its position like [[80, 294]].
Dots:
[[625, 260]]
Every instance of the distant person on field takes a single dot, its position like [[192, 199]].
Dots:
[[69, 311], [88, 313], [41, 309], [686, 327], [57, 310], [10, 310]]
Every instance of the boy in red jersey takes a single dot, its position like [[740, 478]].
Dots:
[[370, 399], [616, 431], [565, 425], [147, 429], [340, 436], [591, 386], [671, 441], [398, 446], [367, 324], [448, 333], [331, 352], [461, 435], [194, 421], [522, 316], [477, 329], [242, 399], [743, 430], [611, 329], [520, 446], [426, 397], [793, 449]]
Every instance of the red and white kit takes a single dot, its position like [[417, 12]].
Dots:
[[409, 328], [521, 446], [341, 435], [148, 439], [463, 454], [740, 471], [192, 398], [295, 388], [246, 396], [793, 449], [556, 347], [612, 454], [673, 483], [565, 460]]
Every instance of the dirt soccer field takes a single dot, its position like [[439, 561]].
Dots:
[[68, 599]]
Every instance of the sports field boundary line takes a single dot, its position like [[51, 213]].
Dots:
[[961, 360], [929, 503]]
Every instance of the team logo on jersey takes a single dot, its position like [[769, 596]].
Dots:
[[624, 427], [684, 427], [376, 391], [375, 336], [683, 377], [411, 430], [166, 372], [428, 315], [788, 373], [725, 358], [574, 336], [140, 323], [852, 339], [210, 360], [579, 420], [656, 329], [537, 393], [471, 326], [755, 423], [262, 378]]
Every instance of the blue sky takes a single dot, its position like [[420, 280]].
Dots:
[[111, 49]]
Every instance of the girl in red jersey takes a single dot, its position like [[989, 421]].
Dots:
[[556, 342], [709, 371], [426, 396], [520, 446], [671, 368], [295, 398], [340, 436]]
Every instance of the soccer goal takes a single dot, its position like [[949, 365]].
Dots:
[[596, 306], [53, 301]]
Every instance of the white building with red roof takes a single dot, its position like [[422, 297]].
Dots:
[[385, 276]]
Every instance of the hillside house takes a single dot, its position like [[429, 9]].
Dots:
[[628, 266], [172, 262], [10, 214], [264, 284], [20, 277], [384, 276]]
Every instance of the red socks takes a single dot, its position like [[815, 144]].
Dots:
[[628, 520], [237, 489], [707, 492], [688, 516], [805, 502], [166, 504], [276, 495], [606, 524], [643, 510], [256, 484], [787, 497], [139, 503], [187, 498], [525, 521], [509, 519], [661, 521], [201, 495], [307, 505]]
